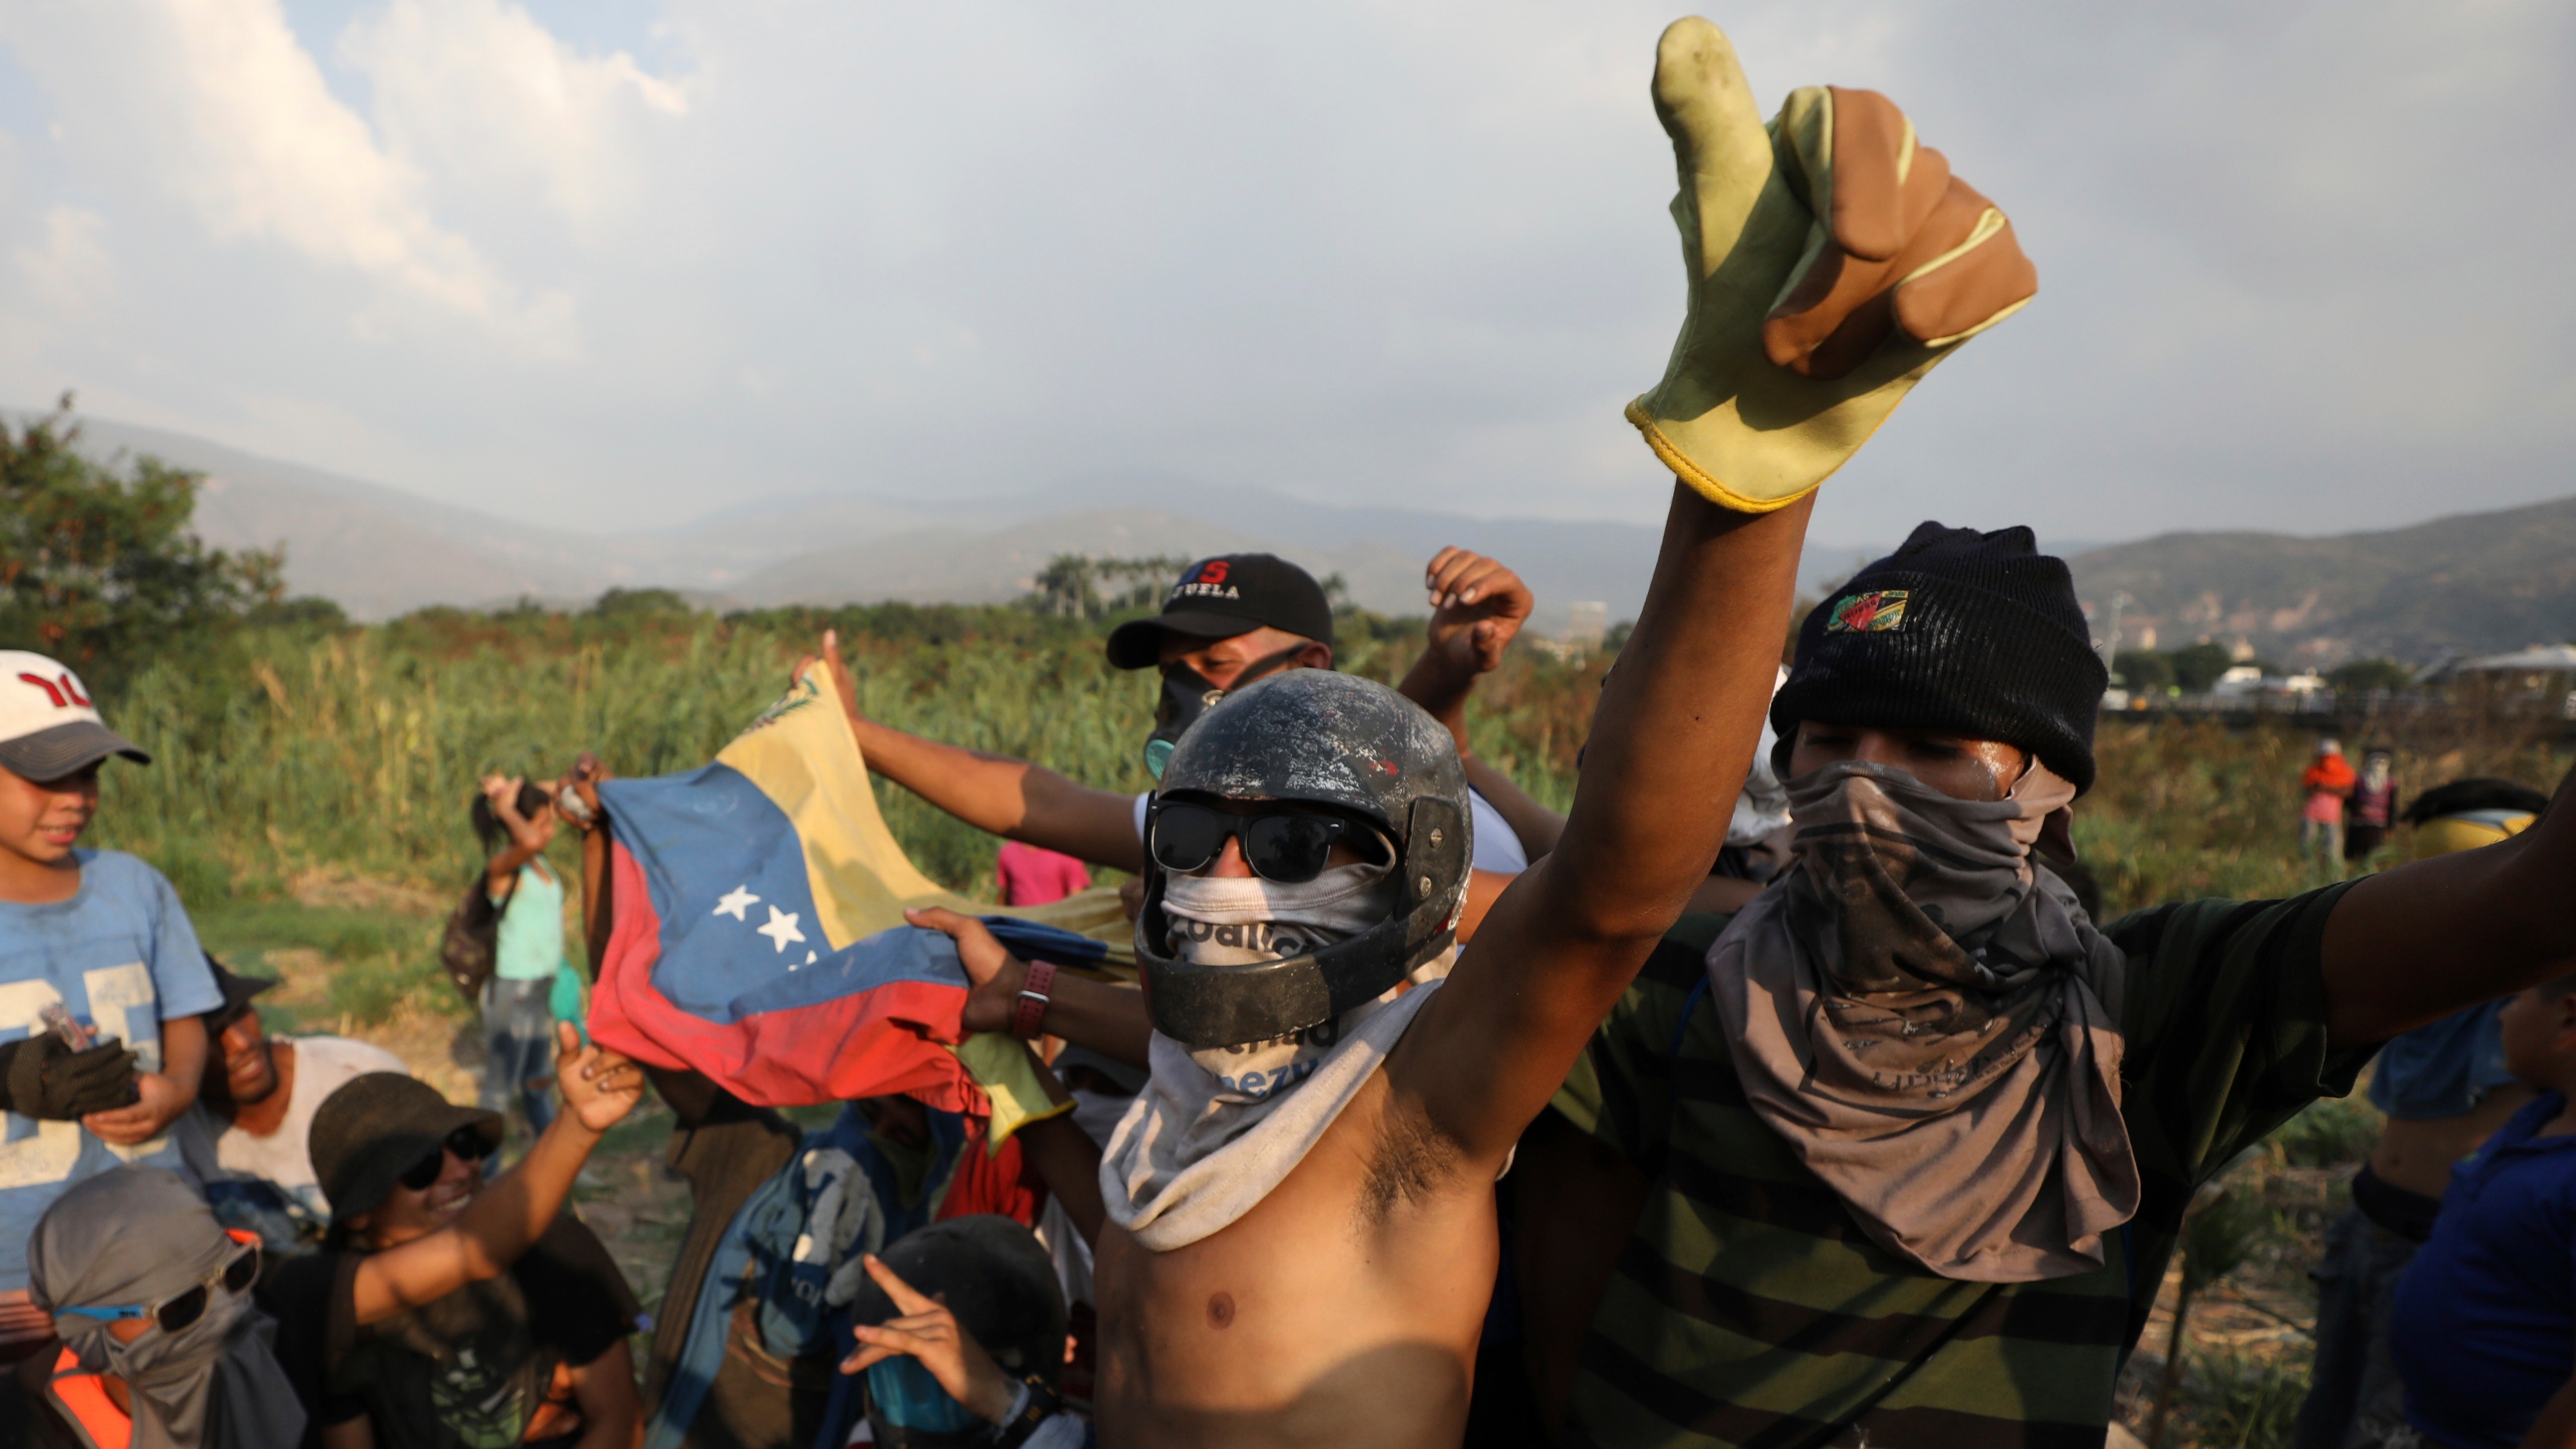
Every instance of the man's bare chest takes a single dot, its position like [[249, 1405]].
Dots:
[[1302, 1299]]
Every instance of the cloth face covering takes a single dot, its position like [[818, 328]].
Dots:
[[1929, 1020], [115, 1240], [1216, 1129], [1245, 921]]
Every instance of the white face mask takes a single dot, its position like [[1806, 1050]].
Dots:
[[1245, 921]]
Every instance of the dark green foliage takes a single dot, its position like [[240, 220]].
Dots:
[[2143, 671], [378, 960], [1078, 586], [304, 613], [2197, 667], [2242, 1401], [641, 604], [97, 566], [2222, 1232], [2329, 1132]]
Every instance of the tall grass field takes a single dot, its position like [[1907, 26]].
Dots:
[[292, 757]]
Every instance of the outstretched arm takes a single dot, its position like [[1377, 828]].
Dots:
[[1670, 745], [2419, 942], [505, 1219], [1110, 1020], [501, 874], [1477, 609], [1832, 263], [597, 903], [1010, 798]]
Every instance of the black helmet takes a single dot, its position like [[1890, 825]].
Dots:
[[997, 1278], [1336, 740]]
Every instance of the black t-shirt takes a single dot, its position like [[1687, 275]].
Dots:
[[464, 1372]]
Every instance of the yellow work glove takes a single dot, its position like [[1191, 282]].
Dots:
[[1833, 261]]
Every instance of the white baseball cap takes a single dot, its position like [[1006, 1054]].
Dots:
[[48, 728]]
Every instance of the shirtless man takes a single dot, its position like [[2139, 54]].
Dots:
[[1301, 1237]]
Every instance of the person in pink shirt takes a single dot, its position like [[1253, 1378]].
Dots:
[[1031, 875], [2329, 784]]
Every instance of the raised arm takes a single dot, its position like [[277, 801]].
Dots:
[[1477, 609], [1669, 747], [527, 842], [591, 819], [1010, 798], [1832, 262], [506, 1218], [2419, 942]]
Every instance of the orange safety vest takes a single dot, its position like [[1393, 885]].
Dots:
[[83, 1402]]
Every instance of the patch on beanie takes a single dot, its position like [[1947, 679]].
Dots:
[[1880, 611]]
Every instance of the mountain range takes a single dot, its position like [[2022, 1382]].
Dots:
[[380, 551], [2470, 583]]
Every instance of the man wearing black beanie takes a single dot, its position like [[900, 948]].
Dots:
[[1959, 633], [1900, 1152]]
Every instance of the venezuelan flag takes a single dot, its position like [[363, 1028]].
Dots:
[[758, 936]]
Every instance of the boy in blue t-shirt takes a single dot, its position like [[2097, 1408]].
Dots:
[[99, 935], [2484, 1323]]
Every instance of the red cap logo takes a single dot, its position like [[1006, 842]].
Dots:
[[61, 690]]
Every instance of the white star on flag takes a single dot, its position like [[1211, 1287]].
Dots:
[[737, 902], [781, 928]]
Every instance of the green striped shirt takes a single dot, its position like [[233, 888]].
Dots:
[[1747, 1307]]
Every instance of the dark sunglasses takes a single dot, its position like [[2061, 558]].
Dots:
[[175, 1313], [468, 1143], [1285, 848]]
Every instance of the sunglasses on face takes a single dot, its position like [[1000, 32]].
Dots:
[[1286, 848], [179, 1310], [468, 1143]]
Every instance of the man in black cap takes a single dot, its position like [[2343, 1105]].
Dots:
[[1898, 1152], [1227, 622], [245, 1139], [444, 1311]]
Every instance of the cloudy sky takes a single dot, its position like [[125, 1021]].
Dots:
[[2302, 264]]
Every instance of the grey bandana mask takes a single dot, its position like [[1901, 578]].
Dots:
[[1246, 921], [1929, 1020], [137, 1237]]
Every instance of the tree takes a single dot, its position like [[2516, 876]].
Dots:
[[2369, 674], [1078, 586], [101, 567], [2143, 671], [304, 611], [2197, 667], [639, 604]]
